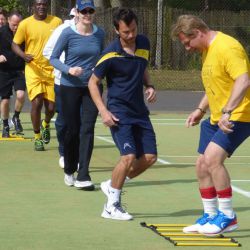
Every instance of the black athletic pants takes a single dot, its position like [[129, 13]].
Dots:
[[78, 143]]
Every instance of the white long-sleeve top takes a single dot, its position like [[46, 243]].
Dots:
[[47, 51]]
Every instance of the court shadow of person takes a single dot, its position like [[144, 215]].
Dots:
[[157, 183]]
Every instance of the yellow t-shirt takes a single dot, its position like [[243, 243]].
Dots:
[[35, 34], [223, 62]]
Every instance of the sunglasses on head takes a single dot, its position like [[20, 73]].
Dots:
[[87, 11]]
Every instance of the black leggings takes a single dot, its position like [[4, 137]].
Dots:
[[79, 113]]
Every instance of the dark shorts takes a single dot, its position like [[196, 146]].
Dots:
[[136, 137], [229, 142], [8, 80]]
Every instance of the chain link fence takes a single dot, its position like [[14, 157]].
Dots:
[[171, 67]]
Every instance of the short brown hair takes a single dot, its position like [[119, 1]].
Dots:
[[186, 24], [3, 12]]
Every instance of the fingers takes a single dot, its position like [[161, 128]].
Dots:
[[75, 71], [108, 119], [2, 59], [226, 127], [151, 95]]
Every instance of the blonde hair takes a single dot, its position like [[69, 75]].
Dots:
[[186, 24]]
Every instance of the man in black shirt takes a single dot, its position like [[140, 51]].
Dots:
[[11, 74]]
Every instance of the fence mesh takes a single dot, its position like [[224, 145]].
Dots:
[[170, 66]]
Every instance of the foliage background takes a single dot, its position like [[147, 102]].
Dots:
[[171, 67]]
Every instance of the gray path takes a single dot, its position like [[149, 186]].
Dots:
[[167, 101]]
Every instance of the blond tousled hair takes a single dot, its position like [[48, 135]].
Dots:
[[187, 24]]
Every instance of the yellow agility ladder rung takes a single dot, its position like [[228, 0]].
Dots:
[[15, 139], [201, 239], [181, 234], [208, 244], [167, 225], [169, 229]]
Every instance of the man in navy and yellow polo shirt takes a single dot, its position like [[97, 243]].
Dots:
[[124, 63]]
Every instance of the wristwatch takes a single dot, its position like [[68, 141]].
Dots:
[[228, 112]]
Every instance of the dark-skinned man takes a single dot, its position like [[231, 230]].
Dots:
[[34, 31]]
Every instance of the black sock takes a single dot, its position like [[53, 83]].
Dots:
[[5, 123], [17, 113]]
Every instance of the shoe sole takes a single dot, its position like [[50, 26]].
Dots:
[[226, 230], [46, 142], [88, 188], [39, 149], [108, 216], [68, 184]]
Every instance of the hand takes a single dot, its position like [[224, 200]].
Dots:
[[224, 124], [2, 59], [150, 94], [28, 58], [108, 118], [194, 118], [75, 71]]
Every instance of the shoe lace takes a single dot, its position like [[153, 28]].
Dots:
[[219, 218], [119, 207], [204, 219], [46, 132]]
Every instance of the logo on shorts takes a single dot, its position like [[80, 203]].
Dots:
[[126, 145]]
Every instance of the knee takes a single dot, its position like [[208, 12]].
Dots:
[[206, 165], [150, 159], [127, 160], [20, 95], [201, 167]]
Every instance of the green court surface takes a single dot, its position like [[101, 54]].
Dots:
[[38, 212]]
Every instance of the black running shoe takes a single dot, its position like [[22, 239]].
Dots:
[[17, 123], [45, 131], [6, 132]]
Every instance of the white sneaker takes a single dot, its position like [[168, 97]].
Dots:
[[198, 224], [69, 180], [106, 184], [11, 124], [219, 224], [116, 212], [61, 161], [85, 185]]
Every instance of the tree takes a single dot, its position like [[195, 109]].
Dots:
[[11, 4]]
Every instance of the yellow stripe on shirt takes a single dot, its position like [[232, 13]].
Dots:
[[139, 52]]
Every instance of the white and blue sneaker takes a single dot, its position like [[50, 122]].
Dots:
[[198, 224], [116, 212], [219, 224]]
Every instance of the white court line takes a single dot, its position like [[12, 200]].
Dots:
[[241, 191], [195, 156], [111, 141], [105, 139], [235, 189], [240, 180]]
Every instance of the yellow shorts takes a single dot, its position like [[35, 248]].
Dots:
[[39, 83]]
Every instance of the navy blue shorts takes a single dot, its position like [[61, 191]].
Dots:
[[136, 137], [229, 142]]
